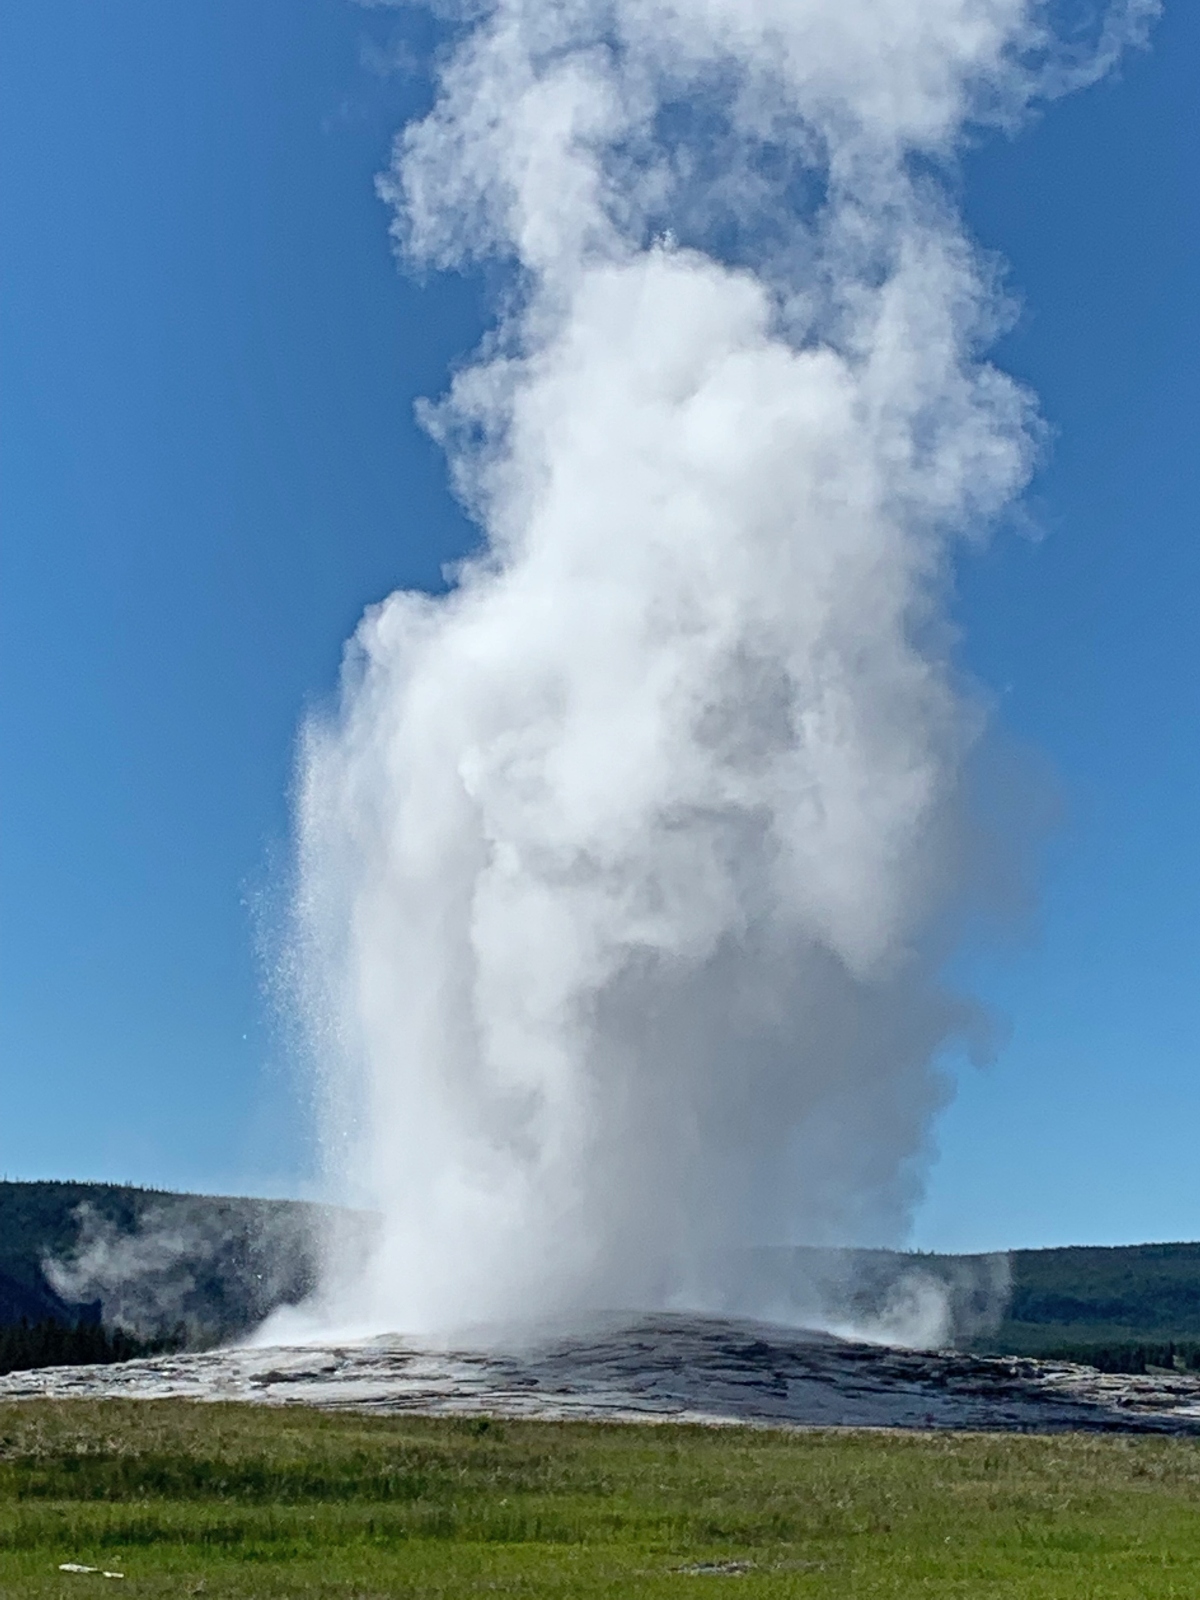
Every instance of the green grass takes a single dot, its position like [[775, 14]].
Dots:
[[240, 1501]]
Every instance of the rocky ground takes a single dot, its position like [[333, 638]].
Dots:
[[673, 1367]]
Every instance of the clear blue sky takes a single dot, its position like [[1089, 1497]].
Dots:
[[209, 466]]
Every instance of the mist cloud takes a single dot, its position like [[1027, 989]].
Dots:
[[626, 865]]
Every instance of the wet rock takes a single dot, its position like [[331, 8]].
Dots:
[[668, 1367]]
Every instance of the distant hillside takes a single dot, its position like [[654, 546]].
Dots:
[[19, 1302], [158, 1265], [1085, 1302], [151, 1262], [1097, 1295]]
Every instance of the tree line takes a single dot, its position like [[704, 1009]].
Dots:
[[25, 1344], [1132, 1356]]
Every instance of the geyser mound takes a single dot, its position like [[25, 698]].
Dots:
[[628, 865], [664, 1367]]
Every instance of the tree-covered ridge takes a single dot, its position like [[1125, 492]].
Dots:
[[1139, 1289], [25, 1345], [40, 1221], [153, 1263]]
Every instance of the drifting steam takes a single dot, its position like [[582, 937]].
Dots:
[[627, 865]]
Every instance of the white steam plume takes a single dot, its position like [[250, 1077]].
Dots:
[[625, 864]]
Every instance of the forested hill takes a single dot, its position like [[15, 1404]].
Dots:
[[155, 1263], [152, 1262], [1088, 1295]]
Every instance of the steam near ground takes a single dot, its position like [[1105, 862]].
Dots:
[[199, 1267], [208, 1270], [628, 865]]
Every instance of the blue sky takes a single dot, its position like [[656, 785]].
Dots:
[[209, 466]]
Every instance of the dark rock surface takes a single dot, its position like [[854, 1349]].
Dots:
[[667, 1367]]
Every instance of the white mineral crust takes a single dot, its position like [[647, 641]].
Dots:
[[661, 1367]]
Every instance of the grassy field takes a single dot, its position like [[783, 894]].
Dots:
[[239, 1501]]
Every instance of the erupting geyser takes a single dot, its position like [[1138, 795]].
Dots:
[[626, 864]]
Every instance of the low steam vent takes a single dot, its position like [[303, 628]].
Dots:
[[198, 1269], [629, 865]]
